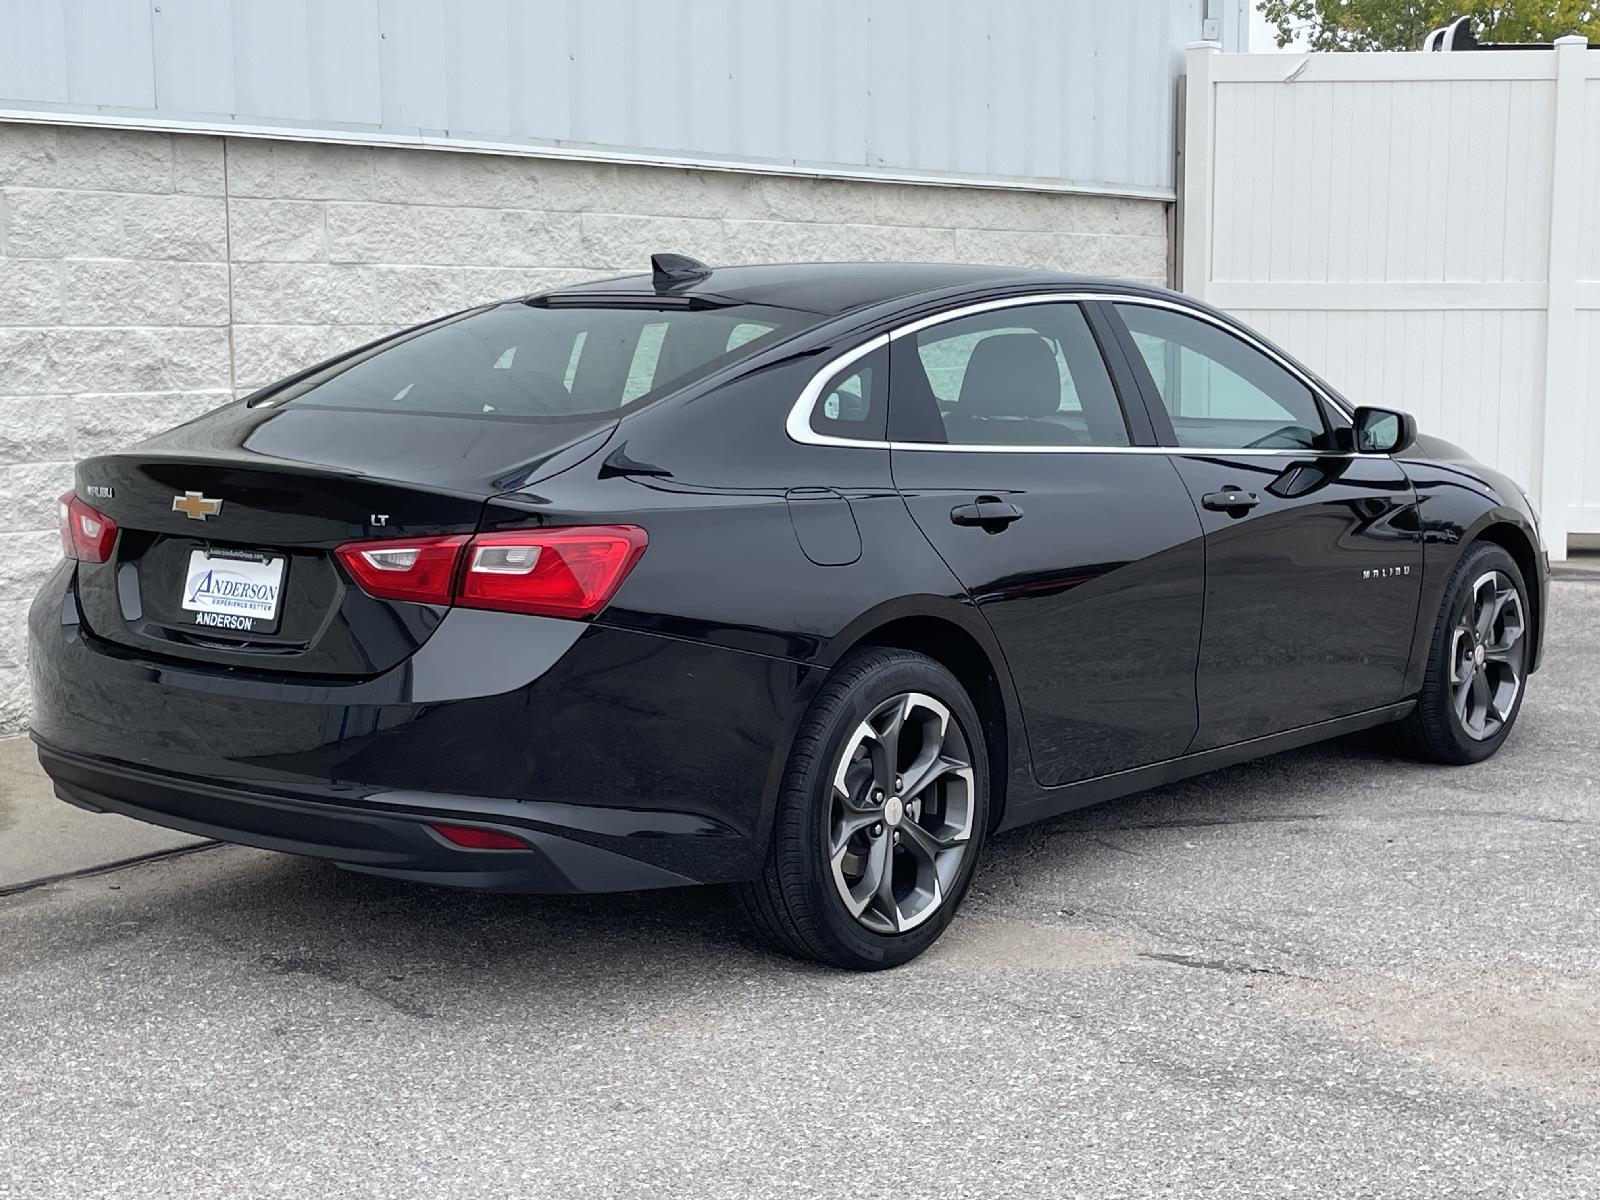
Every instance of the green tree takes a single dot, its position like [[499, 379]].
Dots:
[[1402, 24]]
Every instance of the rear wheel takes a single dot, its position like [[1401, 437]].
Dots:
[[880, 819], [1477, 664]]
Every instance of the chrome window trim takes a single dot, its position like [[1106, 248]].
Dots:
[[1195, 451], [798, 424]]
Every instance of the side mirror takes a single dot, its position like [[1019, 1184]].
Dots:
[[1383, 431]]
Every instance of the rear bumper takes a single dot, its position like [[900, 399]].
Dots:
[[623, 759], [389, 837]]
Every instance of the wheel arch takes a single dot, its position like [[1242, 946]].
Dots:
[[959, 640], [1517, 542]]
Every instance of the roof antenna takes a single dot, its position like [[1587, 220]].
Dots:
[[668, 271]]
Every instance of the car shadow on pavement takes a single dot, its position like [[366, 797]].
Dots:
[[305, 917]]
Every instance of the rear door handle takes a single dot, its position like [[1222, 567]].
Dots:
[[1230, 500], [989, 513]]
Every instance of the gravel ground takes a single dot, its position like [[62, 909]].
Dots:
[[1329, 973]]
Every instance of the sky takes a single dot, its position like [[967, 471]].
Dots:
[[1262, 38]]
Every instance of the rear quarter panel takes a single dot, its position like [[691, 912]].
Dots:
[[713, 479]]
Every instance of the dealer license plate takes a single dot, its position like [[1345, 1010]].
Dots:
[[234, 589]]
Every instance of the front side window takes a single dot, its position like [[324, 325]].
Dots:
[[533, 362], [1031, 375], [1219, 391]]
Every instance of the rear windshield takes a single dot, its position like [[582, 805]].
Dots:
[[520, 360]]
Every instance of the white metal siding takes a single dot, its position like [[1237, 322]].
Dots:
[[1077, 92]]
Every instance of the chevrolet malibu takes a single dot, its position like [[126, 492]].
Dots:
[[806, 579]]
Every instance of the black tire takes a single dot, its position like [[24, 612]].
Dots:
[[1433, 731], [795, 904]]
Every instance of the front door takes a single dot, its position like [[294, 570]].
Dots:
[[1313, 555], [1013, 452]]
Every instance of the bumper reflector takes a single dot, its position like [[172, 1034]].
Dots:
[[473, 838]]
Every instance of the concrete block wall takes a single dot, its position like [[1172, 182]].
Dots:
[[148, 277]]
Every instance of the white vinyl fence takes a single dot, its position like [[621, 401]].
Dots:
[[1423, 230]]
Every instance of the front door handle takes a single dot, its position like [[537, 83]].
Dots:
[[1230, 500], [989, 513]]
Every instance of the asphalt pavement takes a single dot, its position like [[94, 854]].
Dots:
[[1329, 973]]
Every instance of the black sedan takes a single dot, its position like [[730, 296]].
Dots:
[[800, 578]]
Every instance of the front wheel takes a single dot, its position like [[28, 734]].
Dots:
[[1477, 665], [880, 818]]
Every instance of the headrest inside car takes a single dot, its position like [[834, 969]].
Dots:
[[1011, 375]]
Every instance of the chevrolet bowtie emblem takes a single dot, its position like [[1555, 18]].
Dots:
[[196, 506]]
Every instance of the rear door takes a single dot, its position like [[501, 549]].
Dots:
[[1072, 533], [1313, 557]]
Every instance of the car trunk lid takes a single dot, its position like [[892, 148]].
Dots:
[[227, 527]]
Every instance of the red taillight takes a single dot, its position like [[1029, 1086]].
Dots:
[[568, 572], [87, 534], [422, 570], [474, 838], [552, 572]]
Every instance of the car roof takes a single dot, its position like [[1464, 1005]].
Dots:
[[830, 289]]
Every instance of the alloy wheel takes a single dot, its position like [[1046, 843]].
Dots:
[[1486, 656], [900, 817]]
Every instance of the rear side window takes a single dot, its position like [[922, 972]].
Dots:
[[525, 361], [1030, 375]]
